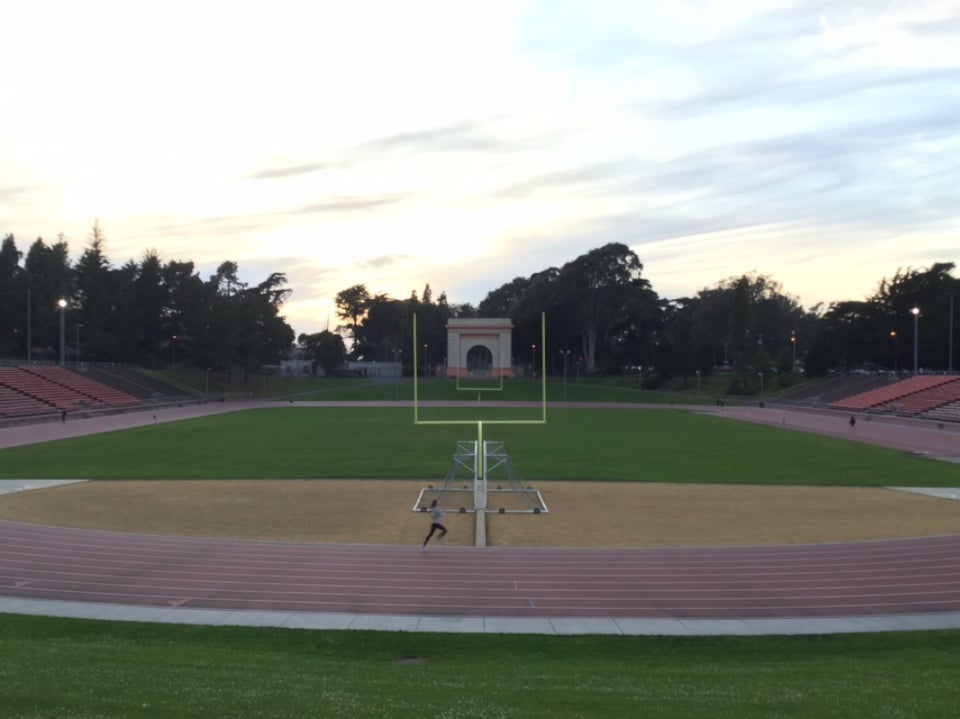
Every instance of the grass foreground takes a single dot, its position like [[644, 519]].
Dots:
[[77, 668]]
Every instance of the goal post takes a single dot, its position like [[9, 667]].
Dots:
[[522, 499]]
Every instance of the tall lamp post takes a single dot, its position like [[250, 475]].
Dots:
[[793, 343], [760, 375], [533, 360], [62, 304], [173, 351], [424, 359], [893, 335], [916, 318], [564, 354]]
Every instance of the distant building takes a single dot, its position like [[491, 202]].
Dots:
[[297, 368], [375, 370]]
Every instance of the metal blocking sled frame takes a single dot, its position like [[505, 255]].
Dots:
[[499, 490]]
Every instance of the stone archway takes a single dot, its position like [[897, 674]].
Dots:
[[479, 347]]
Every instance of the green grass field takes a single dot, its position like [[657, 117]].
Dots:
[[79, 668], [616, 388], [576, 444], [74, 668]]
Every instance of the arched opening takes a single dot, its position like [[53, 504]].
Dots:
[[479, 361]]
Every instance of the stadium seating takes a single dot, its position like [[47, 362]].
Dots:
[[53, 388], [95, 391], [910, 396], [14, 403]]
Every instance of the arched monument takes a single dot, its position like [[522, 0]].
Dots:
[[479, 347]]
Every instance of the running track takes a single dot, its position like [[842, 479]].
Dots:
[[911, 583]]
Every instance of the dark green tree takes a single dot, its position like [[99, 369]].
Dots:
[[326, 350], [11, 303], [599, 288], [48, 279], [352, 304]]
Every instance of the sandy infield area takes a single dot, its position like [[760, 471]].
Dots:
[[595, 514]]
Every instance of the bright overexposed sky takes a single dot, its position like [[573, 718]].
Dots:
[[463, 144]]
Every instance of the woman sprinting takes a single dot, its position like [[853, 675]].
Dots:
[[436, 514]]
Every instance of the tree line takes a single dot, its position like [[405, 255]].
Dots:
[[147, 313], [602, 315]]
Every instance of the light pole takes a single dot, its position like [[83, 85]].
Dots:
[[916, 328], [424, 360], [793, 343], [173, 351], [29, 330], [564, 354], [533, 360], [760, 375], [78, 343], [698, 382], [62, 304], [950, 339], [893, 334]]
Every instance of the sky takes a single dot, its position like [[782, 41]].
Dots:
[[463, 144]]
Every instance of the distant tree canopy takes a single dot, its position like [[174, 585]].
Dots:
[[602, 315], [145, 313], [878, 332]]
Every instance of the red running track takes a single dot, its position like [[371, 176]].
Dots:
[[912, 576]]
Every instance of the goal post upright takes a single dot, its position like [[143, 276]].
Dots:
[[543, 363]]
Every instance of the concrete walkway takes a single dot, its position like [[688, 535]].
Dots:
[[483, 625]]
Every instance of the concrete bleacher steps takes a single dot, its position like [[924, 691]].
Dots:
[[948, 412], [134, 382], [915, 395]]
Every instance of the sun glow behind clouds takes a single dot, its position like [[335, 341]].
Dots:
[[400, 144]]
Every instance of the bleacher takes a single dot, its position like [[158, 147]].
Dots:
[[53, 388], [14, 403], [98, 392], [827, 390], [945, 413], [927, 399], [134, 382], [910, 396], [58, 396]]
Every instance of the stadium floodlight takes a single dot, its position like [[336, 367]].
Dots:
[[62, 304], [916, 317]]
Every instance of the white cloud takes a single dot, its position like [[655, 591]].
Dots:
[[400, 144]]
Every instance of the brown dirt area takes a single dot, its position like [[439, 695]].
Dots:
[[595, 514]]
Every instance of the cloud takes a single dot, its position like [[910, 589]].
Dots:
[[385, 261], [273, 173], [347, 204], [471, 136], [592, 177], [774, 91]]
